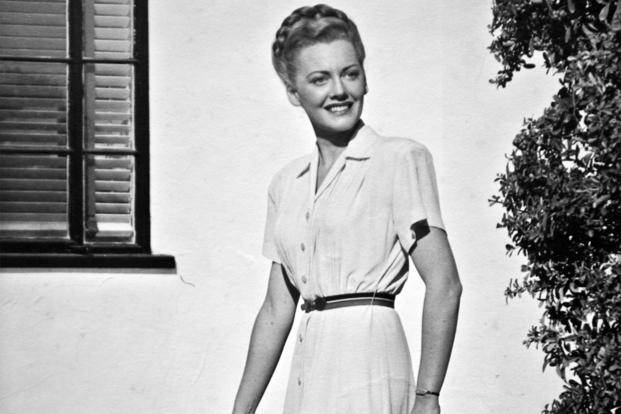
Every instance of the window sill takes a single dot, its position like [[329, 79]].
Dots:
[[99, 260]]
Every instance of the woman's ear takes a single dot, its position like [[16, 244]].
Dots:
[[293, 96]]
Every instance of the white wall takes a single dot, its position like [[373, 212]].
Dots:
[[146, 342]]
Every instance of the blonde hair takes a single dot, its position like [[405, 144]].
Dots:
[[307, 26]]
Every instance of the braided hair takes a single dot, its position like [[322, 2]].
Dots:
[[306, 26]]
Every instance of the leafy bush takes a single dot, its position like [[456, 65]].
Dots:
[[561, 191]]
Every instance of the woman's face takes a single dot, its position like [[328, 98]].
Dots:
[[330, 85]]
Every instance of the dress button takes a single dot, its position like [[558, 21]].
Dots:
[[304, 279], [301, 338], [307, 215], [302, 247], [299, 381]]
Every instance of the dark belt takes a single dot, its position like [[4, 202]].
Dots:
[[349, 299]]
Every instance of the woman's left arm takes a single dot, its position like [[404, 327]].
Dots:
[[434, 261]]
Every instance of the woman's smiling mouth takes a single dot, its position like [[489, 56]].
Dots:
[[338, 108]]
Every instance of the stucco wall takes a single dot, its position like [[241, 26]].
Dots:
[[105, 342]]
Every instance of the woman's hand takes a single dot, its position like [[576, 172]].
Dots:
[[426, 405], [269, 333]]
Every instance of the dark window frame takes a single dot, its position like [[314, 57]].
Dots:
[[74, 252]]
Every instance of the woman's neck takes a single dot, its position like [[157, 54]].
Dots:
[[330, 146]]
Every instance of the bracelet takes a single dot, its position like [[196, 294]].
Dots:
[[422, 392]]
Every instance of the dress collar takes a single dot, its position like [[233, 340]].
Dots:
[[359, 148]]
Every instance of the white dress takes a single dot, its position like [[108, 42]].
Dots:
[[352, 234]]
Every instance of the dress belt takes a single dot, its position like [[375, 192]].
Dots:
[[349, 299]]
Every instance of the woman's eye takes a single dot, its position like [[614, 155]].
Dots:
[[318, 80], [352, 75]]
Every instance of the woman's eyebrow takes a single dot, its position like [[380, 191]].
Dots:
[[353, 65], [327, 72], [318, 72]]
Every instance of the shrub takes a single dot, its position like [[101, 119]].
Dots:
[[561, 191]]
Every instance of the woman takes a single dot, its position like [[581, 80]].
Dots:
[[340, 226]]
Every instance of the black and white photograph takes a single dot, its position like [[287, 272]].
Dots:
[[401, 207]]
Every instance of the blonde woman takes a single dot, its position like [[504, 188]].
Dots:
[[341, 224]]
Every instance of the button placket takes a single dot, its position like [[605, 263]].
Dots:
[[304, 278], [308, 239], [302, 334]]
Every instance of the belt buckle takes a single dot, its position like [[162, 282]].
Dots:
[[319, 303]]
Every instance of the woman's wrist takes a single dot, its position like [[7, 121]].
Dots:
[[427, 400], [425, 391]]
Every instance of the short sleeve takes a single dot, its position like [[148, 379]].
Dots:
[[416, 203], [269, 243]]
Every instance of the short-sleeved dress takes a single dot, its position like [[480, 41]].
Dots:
[[352, 234]]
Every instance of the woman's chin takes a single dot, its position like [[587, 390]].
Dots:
[[337, 125]]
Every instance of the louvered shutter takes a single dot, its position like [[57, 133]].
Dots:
[[33, 200], [33, 28], [33, 115], [109, 121]]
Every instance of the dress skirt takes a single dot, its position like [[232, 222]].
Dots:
[[351, 360]]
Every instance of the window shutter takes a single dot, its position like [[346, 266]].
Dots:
[[110, 204], [33, 200], [33, 105], [33, 117], [109, 121], [108, 28], [33, 28], [33, 114]]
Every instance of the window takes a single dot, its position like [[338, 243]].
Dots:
[[74, 133]]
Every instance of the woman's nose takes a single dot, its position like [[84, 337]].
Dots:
[[338, 89]]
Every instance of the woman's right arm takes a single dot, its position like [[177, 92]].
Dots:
[[270, 331]]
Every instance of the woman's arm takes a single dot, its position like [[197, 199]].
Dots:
[[270, 331], [434, 261]]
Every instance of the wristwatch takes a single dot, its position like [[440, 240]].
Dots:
[[422, 391]]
